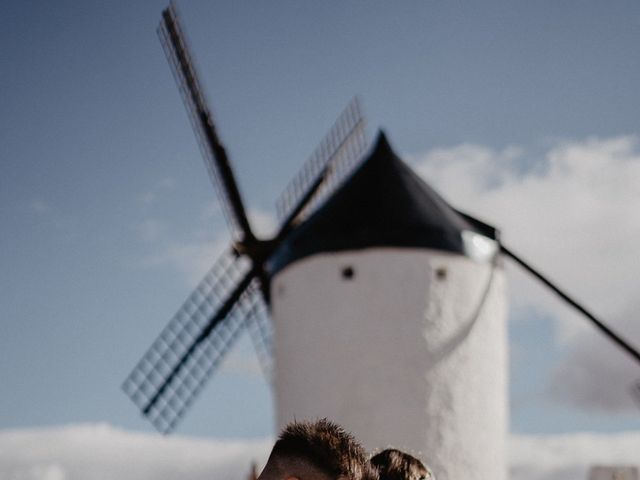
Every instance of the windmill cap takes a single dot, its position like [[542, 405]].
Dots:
[[382, 143], [384, 203]]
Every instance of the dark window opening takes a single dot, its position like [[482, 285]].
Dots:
[[348, 273]]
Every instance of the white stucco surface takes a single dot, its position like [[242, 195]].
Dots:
[[398, 354]]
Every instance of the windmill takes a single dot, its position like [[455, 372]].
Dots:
[[381, 305]]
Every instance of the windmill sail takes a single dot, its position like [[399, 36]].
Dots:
[[234, 294], [192, 345], [615, 337], [183, 67], [230, 298], [336, 156]]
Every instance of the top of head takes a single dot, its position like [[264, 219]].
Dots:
[[318, 450], [393, 464]]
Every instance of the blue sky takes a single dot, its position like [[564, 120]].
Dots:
[[108, 216]]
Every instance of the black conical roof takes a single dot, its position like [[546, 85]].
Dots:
[[383, 203]]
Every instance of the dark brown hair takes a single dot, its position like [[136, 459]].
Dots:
[[393, 464], [327, 446]]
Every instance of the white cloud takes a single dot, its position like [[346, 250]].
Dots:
[[595, 376], [99, 452], [52, 217], [150, 197], [211, 211], [192, 260], [263, 223], [39, 206], [194, 257], [569, 457], [574, 216], [150, 230], [242, 363]]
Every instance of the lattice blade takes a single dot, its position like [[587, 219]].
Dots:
[[261, 332], [340, 152], [191, 346], [215, 156]]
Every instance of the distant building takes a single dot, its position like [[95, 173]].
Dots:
[[613, 472]]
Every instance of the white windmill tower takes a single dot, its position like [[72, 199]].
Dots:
[[388, 309], [387, 304]]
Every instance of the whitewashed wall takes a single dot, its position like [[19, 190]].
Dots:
[[397, 355]]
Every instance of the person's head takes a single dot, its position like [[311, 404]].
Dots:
[[318, 450], [393, 464]]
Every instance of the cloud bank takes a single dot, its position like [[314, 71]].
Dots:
[[101, 452]]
